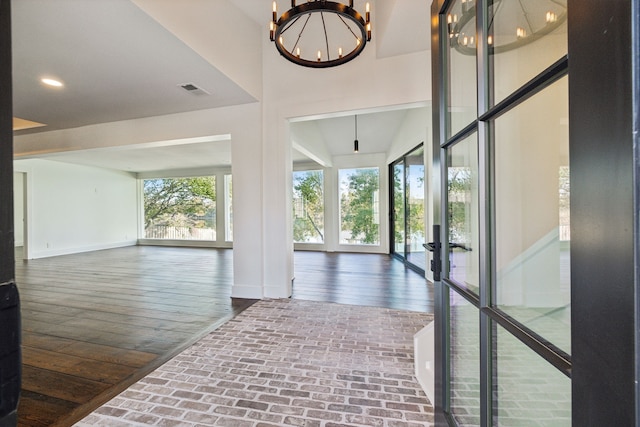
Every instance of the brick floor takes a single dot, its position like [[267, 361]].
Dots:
[[286, 363]]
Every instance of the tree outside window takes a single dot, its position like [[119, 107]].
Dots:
[[359, 206], [459, 189], [308, 207], [180, 208]]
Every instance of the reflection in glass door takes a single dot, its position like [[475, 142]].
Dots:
[[503, 305], [408, 219]]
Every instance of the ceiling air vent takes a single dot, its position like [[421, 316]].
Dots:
[[193, 89]]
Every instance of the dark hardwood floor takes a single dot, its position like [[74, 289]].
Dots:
[[95, 323], [360, 279]]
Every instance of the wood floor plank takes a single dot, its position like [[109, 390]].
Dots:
[[96, 322], [88, 350], [42, 410], [70, 388], [109, 373]]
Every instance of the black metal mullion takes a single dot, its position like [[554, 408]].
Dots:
[[470, 296], [547, 350], [487, 343], [543, 80], [464, 133]]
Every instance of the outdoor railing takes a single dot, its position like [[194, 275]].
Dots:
[[179, 233]]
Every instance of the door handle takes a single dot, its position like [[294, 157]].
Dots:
[[435, 246], [431, 246], [459, 246]]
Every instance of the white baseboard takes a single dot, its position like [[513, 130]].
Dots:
[[68, 251]]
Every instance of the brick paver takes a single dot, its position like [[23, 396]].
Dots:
[[286, 363]]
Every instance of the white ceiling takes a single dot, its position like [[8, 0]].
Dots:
[[118, 63]]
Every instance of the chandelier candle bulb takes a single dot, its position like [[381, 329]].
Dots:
[[339, 52], [298, 52], [367, 14], [319, 56], [275, 12]]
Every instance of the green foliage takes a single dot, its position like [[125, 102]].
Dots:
[[179, 201], [308, 209], [398, 204], [459, 189], [359, 214]]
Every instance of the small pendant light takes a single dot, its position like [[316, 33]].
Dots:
[[355, 141]]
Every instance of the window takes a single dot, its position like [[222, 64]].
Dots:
[[180, 208], [359, 206], [308, 207]]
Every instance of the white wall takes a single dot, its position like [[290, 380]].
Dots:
[[74, 208], [415, 129], [18, 208]]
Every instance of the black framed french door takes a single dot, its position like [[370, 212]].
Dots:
[[536, 116], [408, 190], [504, 309]]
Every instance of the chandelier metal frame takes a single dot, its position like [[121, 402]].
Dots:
[[287, 19]]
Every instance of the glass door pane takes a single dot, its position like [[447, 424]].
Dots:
[[525, 37], [528, 391], [415, 189], [532, 214], [462, 211], [465, 361], [461, 55], [398, 209]]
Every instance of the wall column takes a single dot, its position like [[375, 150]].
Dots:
[[248, 205]]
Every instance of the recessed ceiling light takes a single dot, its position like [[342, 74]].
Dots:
[[51, 82]]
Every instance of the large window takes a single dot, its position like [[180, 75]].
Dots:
[[180, 208], [308, 206], [359, 206]]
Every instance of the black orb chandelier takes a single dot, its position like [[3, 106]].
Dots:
[[320, 33]]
